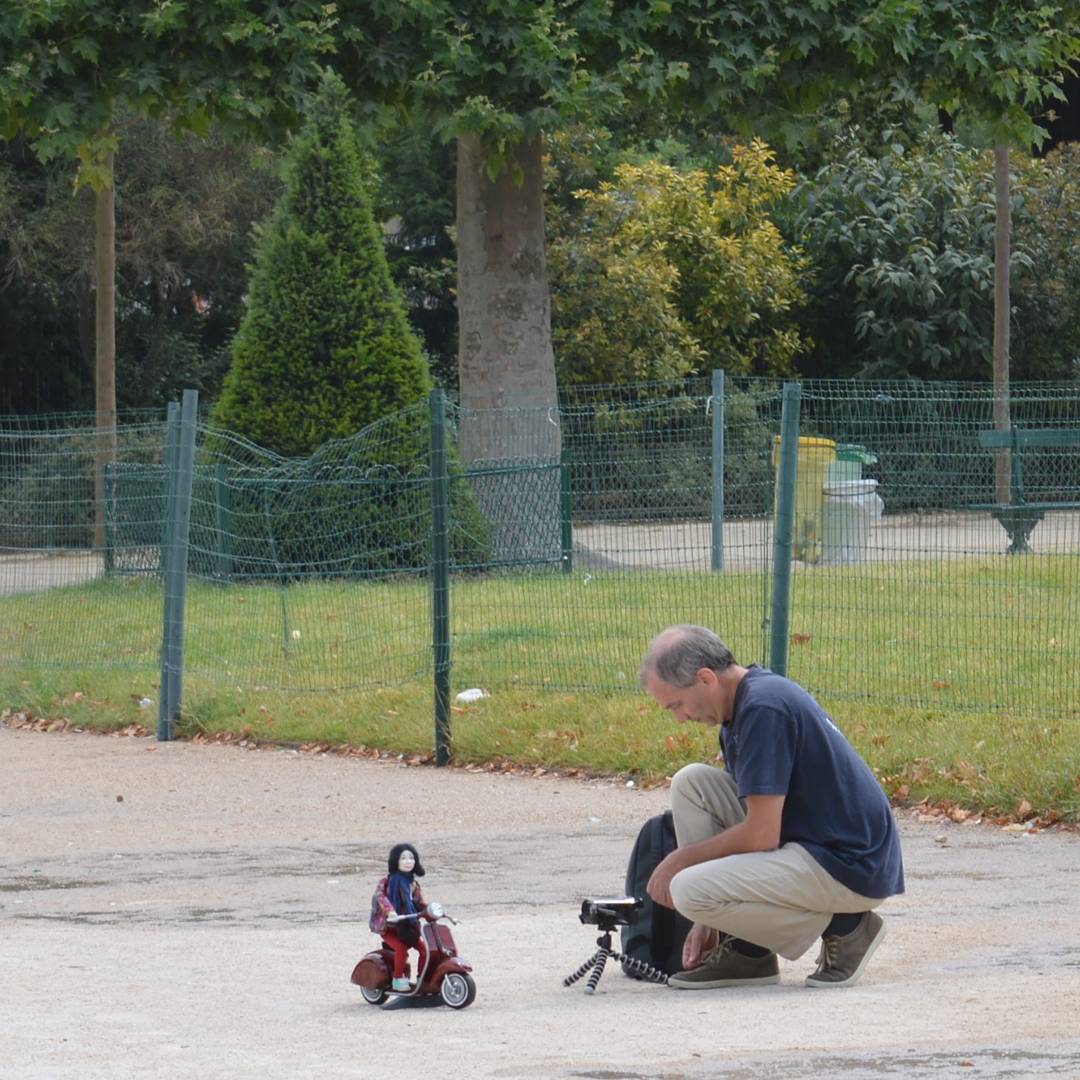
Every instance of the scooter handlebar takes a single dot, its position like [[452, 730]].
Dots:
[[433, 912]]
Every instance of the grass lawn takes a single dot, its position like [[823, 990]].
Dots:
[[956, 679]]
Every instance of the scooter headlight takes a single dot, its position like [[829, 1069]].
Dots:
[[435, 911]]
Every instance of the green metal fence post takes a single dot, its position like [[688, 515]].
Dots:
[[172, 448], [172, 645], [110, 517], [279, 575], [717, 406], [784, 528], [169, 468], [566, 508], [440, 574], [223, 504]]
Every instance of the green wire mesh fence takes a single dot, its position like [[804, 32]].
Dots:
[[575, 533]]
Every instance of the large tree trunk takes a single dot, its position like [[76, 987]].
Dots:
[[1002, 235], [505, 358], [506, 365], [104, 344]]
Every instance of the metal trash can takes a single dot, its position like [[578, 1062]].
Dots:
[[850, 508], [815, 457]]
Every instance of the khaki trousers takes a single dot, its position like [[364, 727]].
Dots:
[[780, 900]]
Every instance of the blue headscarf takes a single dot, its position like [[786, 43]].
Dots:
[[399, 885]]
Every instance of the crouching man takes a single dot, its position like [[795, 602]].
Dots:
[[792, 841]]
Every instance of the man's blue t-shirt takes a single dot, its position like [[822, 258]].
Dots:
[[781, 742]]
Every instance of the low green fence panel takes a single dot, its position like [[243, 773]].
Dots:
[[573, 534]]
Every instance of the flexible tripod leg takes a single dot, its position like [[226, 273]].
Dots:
[[639, 969], [599, 960], [595, 964], [581, 971]]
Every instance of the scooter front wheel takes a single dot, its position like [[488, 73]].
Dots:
[[458, 989], [373, 995]]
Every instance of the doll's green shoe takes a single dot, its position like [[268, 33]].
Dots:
[[402, 986]]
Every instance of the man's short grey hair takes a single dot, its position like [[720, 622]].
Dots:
[[678, 653]]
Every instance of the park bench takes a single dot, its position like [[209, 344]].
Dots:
[[1018, 517]]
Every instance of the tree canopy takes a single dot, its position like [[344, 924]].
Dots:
[[66, 64]]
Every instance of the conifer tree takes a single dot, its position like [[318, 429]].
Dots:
[[325, 348]]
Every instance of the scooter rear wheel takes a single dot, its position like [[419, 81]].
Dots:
[[373, 995], [457, 989]]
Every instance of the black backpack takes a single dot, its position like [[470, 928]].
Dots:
[[656, 936]]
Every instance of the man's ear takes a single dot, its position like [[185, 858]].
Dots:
[[707, 677]]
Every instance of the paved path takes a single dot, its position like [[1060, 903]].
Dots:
[[205, 926], [38, 571], [680, 545], [687, 545]]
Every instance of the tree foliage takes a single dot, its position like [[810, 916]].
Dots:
[[996, 65], [502, 77], [186, 210], [667, 271], [325, 348], [414, 197], [65, 65], [1046, 339], [902, 245], [903, 248]]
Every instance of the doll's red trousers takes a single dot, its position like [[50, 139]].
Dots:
[[401, 952]]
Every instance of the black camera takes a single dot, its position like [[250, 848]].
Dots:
[[609, 911]]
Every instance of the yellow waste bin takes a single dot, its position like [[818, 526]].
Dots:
[[815, 457]]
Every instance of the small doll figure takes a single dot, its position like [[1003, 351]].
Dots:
[[398, 896]]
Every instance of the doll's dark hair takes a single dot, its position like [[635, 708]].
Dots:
[[397, 851]]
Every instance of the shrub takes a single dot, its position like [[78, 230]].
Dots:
[[325, 348], [356, 507], [47, 487], [903, 245], [667, 271], [1046, 333]]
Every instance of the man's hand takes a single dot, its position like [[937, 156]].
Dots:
[[699, 943], [659, 887], [758, 831]]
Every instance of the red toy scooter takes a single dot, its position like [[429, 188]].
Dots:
[[444, 972]]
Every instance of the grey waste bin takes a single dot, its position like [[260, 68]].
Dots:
[[849, 462], [849, 508]]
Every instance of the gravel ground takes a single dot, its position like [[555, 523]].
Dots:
[[179, 910]]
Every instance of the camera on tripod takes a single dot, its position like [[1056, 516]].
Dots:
[[607, 912]]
